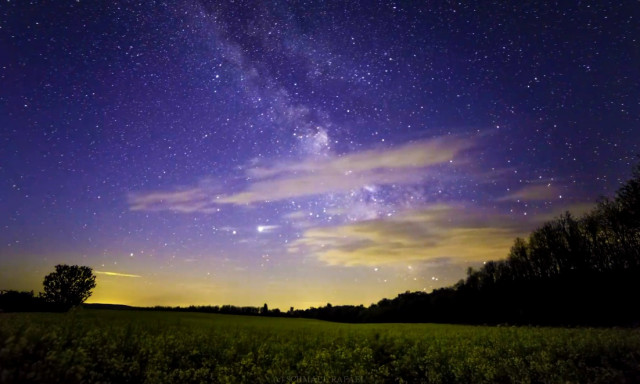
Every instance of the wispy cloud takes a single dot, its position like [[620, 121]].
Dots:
[[577, 209], [534, 192], [115, 274], [417, 154], [404, 164], [186, 201], [434, 233]]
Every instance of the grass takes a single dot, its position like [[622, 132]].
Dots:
[[91, 346]]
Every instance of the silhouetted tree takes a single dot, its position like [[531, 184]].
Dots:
[[69, 285]]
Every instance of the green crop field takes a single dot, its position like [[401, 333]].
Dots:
[[90, 346]]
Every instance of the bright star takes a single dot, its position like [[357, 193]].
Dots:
[[266, 228]]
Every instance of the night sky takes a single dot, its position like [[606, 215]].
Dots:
[[299, 153]]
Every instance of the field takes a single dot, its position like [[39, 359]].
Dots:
[[90, 346]]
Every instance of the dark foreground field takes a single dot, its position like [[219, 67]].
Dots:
[[89, 346]]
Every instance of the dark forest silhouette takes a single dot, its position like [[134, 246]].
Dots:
[[569, 271]]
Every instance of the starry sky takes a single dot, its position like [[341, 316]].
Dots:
[[300, 153]]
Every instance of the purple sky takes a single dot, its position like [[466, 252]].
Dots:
[[299, 153]]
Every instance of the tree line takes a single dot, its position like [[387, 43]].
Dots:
[[569, 271]]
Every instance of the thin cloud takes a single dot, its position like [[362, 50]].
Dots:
[[577, 209], [405, 164], [184, 201], [534, 192], [115, 274], [435, 233], [418, 154]]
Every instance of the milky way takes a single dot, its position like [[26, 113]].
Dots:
[[299, 153]]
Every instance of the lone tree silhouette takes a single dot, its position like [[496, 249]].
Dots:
[[69, 285]]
